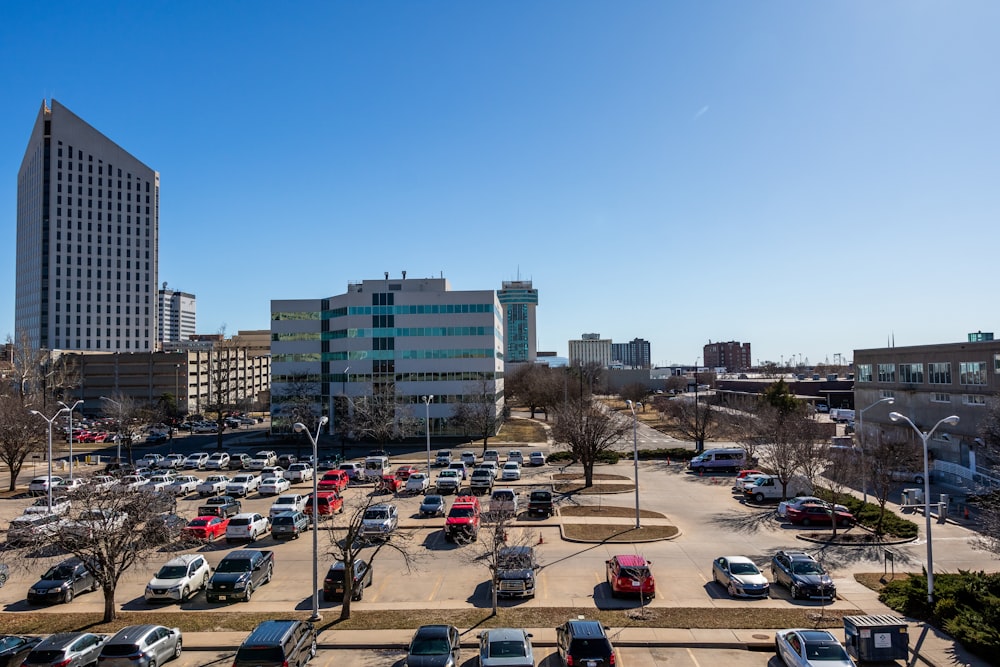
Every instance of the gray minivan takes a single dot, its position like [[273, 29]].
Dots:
[[276, 644], [729, 459]]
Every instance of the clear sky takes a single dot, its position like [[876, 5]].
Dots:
[[809, 177]]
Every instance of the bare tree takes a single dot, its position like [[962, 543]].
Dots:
[[537, 387], [636, 392], [881, 458], [298, 398], [380, 416], [111, 531], [20, 433], [589, 429], [129, 416], [227, 387], [348, 543], [478, 412], [842, 470], [26, 368], [504, 550], [695, 420], [989, 433]]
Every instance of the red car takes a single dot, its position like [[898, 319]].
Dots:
[[809, 515], [390, 484], [206, 527], [327, 502], [334, 480], [629, 575], [403, 472]]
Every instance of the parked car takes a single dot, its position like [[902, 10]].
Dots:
[[505, 647], [443, 458], [28, 528], [286, 460], [67, 649], [491, 455], [379, 521], [403, 472], [798, 501], [914, 476], [205, 427], [14, 649], [540, 502], [740, 577], [536, 458], [133, 482], [812, 515], [582, 642], [333, 582], [62, 582], [510, 471], [212, 486], [262, 459], [94, 521], [151, 460], [247, 526], [417, 482], [238, 574], [183, 485], [355, 471], [327, 503], [463, 471], [448, 481], [242, 485], [224, 506], [299, 472], [289, 502], [289, 525], [60, 505], [333, 480], [516, 456], [239, 461], [515, 572], [629, 574], [40, 485], [208, 527], [803, 575], [432, 505], [218, 461], [102, 482], [281, 643], [503, 502], [272, 486], [468, 458], [178, 579], [196, 461], [142, 646], [159, 483], [810, 648], [435, 646]]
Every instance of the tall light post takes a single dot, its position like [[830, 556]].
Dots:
[[118, 457], [924, 437], [70, 410], [861, 427], [427, 428], [54, 417], [635, 455], [299, 427]]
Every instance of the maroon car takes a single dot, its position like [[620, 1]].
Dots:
[[809, 515]]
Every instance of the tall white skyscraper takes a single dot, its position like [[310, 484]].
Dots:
[[177, 314], [87, 240]]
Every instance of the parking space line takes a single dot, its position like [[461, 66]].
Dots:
[[693, 659], [437, 587]]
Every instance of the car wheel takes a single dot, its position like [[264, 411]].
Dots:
[[360, 594], [270, 572], [312, 649], [919, 479], [731, 590], [805, 521], [758, 497], [249, 593], [152, 662], [3, 579], [94, 587], [794, 591], [178, 648], [68, 596]]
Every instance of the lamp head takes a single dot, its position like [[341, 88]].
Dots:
[[951, 421], [895, 416], [889, 399], [298, 427], [628, 403], [323, 420], [36, 412]]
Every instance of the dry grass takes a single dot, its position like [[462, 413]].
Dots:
[[527, 617], [876, 580], [596, 489], [523, 431], [603, 532], [601, 511], [597, 476]]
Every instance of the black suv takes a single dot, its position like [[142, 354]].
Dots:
[[276, 644], [333, 583], [582, 642], [802, 574]]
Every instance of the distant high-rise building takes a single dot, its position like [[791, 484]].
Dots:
[[733, 356], [177, 315], [634, 354], [518, 300], [591, 348], [87, 238]]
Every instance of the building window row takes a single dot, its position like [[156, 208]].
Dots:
[[970, 373]]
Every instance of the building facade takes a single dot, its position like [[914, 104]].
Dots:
[[634, 354], [416, 336], [590, 348], [519, 299], [177, 315], [87, 240], [928, 383], [733, 356]]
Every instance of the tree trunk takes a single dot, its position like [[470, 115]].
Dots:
[[15, 470], [110, 610], [345, 603], [588, 473], [496, 585]]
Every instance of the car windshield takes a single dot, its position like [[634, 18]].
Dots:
[[233, 565], [743, 568], [806, 567], [172, 572], [283, 520], [43, 657], [285, 501], [433, 500], [239, 522], [541, 495], [429, 646], [376, 514], [198, 522], [116, 650], [825, 651], [508, 648], [636, 572], [461, 512], [59, 572]]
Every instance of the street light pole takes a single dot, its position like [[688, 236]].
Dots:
[[635, 455], [54, 417], [70, 409], [427, 428], [924, 437], [299, 427], [118, 457], [861, 425]]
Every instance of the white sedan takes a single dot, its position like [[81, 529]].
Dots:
[[272, 486], [183, 485], [289, 502], [511, 470], [417, 482], [810, 648], [196, 461], [41, 484]]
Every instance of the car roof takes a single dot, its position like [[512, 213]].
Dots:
[[631, 560], [586, 628], [130, 634], [738, 559], [60, 640], [432, 631], [505, 634], [183, 559], [817, 636], [797, 555]]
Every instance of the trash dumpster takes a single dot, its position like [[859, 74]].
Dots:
[[876, 638]]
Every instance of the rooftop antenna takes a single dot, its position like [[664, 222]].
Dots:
[[404, 275]]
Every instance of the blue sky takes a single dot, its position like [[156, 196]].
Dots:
[[811, 177]]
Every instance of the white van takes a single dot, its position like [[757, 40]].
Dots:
[[376, 466], [730, 459], [768, 487]]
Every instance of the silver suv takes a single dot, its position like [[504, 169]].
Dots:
[[142, 645], [379, 521]]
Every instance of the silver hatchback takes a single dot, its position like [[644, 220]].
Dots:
[[66, 649], [141, 646]]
